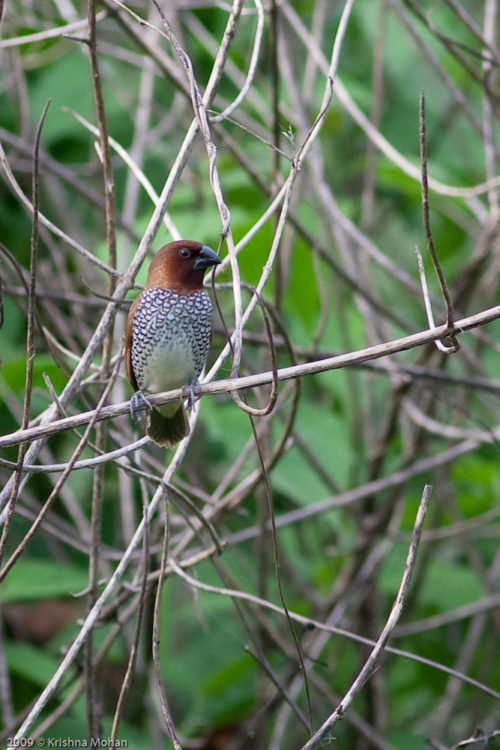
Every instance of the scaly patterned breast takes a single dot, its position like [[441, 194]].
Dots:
[[170, 339]]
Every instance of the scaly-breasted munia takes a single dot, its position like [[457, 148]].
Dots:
[[168, 334]]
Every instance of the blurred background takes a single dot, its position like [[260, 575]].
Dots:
[[343, 456]]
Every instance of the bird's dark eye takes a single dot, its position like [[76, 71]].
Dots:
[[184, 252]]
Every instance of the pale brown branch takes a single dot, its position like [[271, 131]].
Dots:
[[374, 659], [264, 378]]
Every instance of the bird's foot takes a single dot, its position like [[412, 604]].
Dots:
[[193, 397], [139, 403]]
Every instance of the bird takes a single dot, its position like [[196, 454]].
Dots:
[[168, 335]]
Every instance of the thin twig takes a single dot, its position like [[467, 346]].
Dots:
[[251, 68], [373, 660], [276, 558], [6, 704], [200, 105], [167, 716], [445, 618], [62, 479], [364, 123], [428, 307], [311, 623], [451, 45], [136, 171], [42, 36], [267, 409], [127, 680], [427, 226], [30, 348], [98, 607], [73, 244], [93, 720], [128, 277], [264, 664]]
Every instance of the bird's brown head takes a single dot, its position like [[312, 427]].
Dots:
[[180, 266]]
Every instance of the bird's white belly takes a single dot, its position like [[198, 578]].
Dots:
[[169, 366]]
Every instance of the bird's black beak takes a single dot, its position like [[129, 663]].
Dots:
[[206, 258]]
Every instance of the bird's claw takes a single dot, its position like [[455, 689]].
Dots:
[[138, 404], [193, 397]]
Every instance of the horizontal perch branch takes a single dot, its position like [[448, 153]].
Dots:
[[261, 378]]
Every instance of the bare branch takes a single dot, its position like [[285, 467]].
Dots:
[[374, 659]]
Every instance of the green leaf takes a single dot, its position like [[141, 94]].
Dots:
[[68, 83], [446, 585], [34, 664], [327, 439], [33, 579]]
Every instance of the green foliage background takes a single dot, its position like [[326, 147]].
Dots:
[[219, 695]]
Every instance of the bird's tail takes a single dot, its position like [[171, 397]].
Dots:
[[168, 431]]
